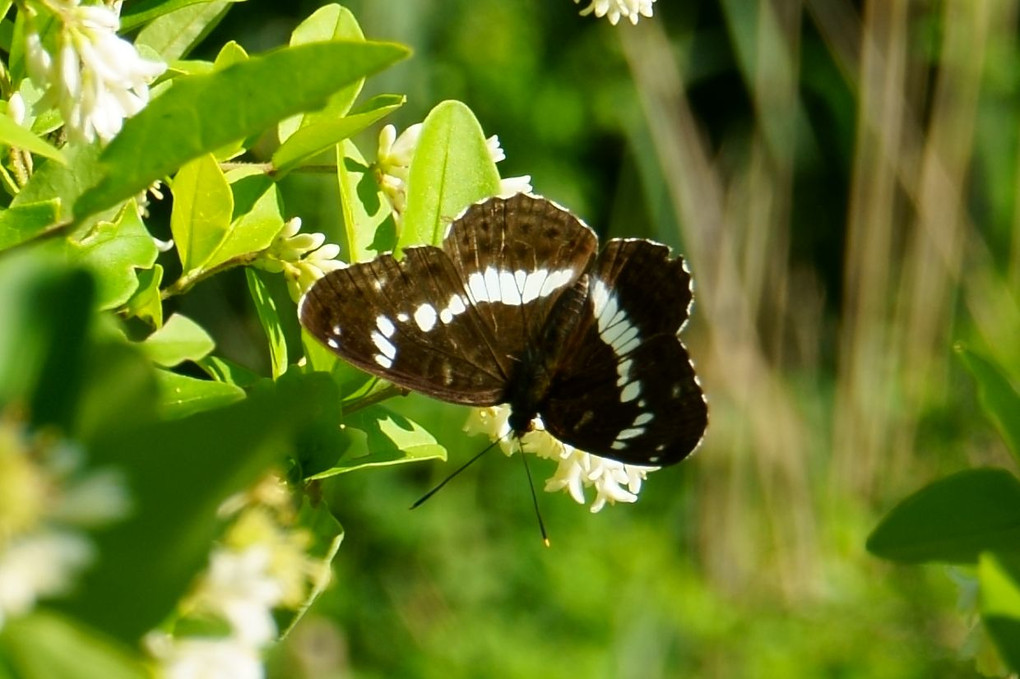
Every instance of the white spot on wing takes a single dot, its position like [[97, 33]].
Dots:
[[384, 346], [633, 432], [532, 286], [332, 343], [630, 392], [384, 361], [554, 281], [425, 317], [403, 318], [508, 292], [643, 419], [385, 326]]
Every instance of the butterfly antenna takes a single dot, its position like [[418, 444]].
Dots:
[[534, 496], [449, 478]]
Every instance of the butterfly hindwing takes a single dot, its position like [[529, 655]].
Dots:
[[410, 322], [625, 387]]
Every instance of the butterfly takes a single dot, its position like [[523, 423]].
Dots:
[[519, 307]]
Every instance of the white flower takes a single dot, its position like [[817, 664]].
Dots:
[[94, 77], [261, 564], [39, 565], [302, 258], [45, 500], [204, 658], [241, 588], [393, 162], [613, 481], [614, 9]]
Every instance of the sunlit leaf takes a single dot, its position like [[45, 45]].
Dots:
[[115, 251], [269, 318], [322, 133], [20, 223], [201, 113], [13, 134], [180, 339], [203, 205], [181, 395], [450, 170]]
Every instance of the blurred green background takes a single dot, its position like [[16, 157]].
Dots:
[[841, 177]]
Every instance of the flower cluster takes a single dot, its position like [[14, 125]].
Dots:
[[94, 77], [261, 565], [302, 258], [393, 162], [614, 9], [613, 481], [46, 503]]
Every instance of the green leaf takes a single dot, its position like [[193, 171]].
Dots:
[[21, 223], [174, 35], [953, 520], [244, 99], [368, 228], [1000, 605], [146, 303], [257, 218], [380, 437], [144, 11], [269, 318], [180, 339], [181, 396], [45, 645], [222, 370], [327, 24], [179, 472], [999, 398], [114, 251], [66, 182], [45, 314], [320, 134], [13, 134], [203, 204], [450, 170]]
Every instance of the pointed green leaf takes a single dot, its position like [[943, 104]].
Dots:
[[368, 226], [146, 303], [12, 134], [953, 520], [65, 182], [173, 35], [21, 223], [137, 13], [999, 398], [450, 170], [201, 113], [203, 204], [114, 251], [180, 339], [181, 396], [380, 437], [320, 134], [257, 218], [326, 24], [222, 370], [269, 318]]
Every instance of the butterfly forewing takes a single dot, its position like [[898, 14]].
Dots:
[[516, 257], [625, 387], [410, 322]]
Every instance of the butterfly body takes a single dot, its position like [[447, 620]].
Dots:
[[517, 308]]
